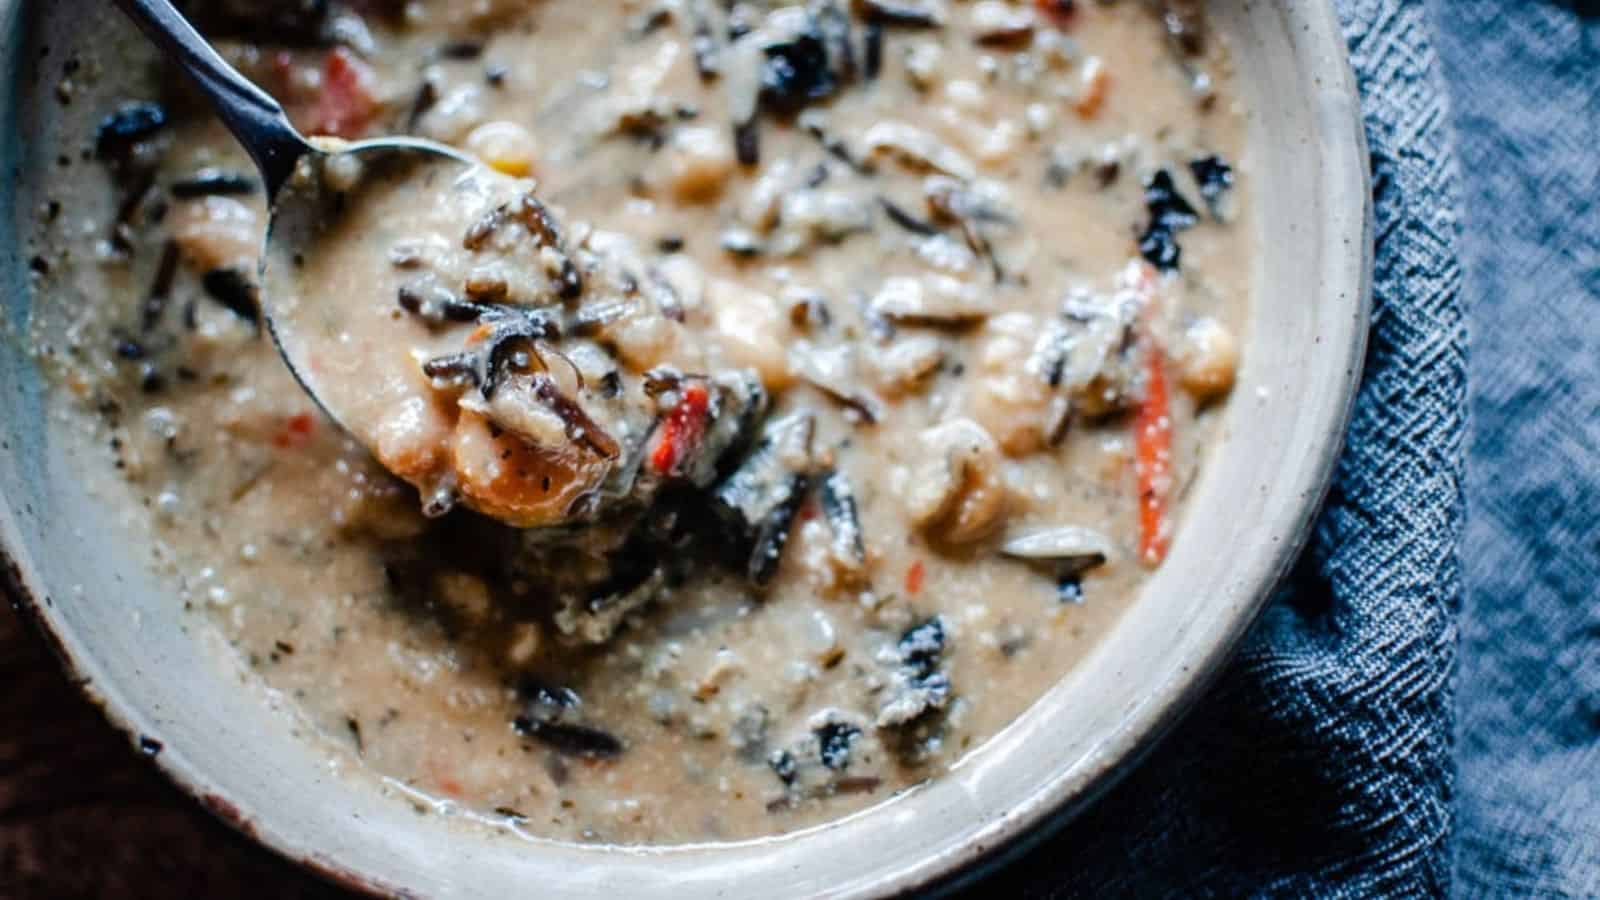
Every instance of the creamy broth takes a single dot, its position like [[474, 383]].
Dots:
[[878, 358]]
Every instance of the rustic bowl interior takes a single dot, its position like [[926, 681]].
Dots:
[[158, 671]]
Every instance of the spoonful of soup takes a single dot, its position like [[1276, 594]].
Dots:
[[440, 313]]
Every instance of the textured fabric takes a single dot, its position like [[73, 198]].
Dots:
[[1526, 83], [1322, 764]]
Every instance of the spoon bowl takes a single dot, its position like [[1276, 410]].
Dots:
[[334, 297], [311, 185], [324, 198]]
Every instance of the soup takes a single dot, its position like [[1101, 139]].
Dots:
[[790, 399]]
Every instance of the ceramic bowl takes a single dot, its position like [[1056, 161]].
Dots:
[[155, 672]]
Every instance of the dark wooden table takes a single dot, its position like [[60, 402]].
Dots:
[[81, 815]]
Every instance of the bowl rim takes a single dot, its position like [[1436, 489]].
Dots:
[[1053, 805]]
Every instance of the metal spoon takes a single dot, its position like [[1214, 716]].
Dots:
[[292, 171]]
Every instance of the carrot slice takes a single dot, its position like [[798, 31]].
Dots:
[[348, 102], [296, 432], [1096, 85], [914, 578], [682, 429], [1058, 12], [1153, 458]]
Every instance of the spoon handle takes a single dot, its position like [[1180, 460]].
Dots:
[[257, 120]]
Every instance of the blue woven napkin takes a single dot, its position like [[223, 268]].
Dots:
[[1525, 83], [1321, 764]]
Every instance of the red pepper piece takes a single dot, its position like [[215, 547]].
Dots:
[[682, 429]]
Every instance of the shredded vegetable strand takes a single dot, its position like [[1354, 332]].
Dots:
[[1153, 447]]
